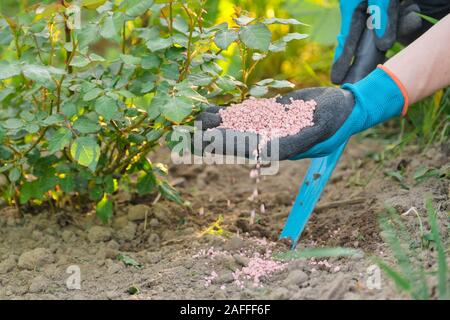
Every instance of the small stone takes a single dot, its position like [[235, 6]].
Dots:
[[111, 295], [153, 241], [120, 222], [280, 294], [154, 257], [38, 284], [241, 260], [161, 212], [67, 235], [127, 233], [99, 234], [138, 212], [226, 277], [107, 253], [7, 265], [235, 243], [154, 223], [37, 235], [112, 244], [114, 268], [168, 235], [336, 289], [36, 258], [295, 277]]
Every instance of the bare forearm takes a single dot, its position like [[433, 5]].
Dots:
[[424, 66]]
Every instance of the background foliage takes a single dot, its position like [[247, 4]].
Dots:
[[80, 109], [88, 90]]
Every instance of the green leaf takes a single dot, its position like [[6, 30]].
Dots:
[[86, 152], [104, 209], [170, 192], [278, 84], [106, 107], [224, 38], [259, 91], [284, 21], [92, 94], [53, 119], [258, 56], [200, 79], [5, 92], [38, 74], [146, 183], [60, 140], [92, 4], [32, 128], [129, 261], [159, 44], [256, 36], [177, 109], [67, 184], [170, 71], [108, 29], [8, 70], [150, 62], [129, 59], [13, 124], [227, 83], [277, 46], [136, 8], [80, 62], [96, 58], [294, 36], [243, 20], [420, 172], [180, 24], [85, 125], [14, 174], [265, 82]]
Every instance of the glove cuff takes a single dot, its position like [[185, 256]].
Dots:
[[380, 95], [400, 86]]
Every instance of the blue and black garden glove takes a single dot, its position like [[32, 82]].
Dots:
[[344, 112], [340, 113], [380, 21]]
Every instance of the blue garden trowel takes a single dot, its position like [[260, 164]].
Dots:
[[320, 169], [317, 176]]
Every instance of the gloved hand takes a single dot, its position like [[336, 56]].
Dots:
[[340, 113], [397, 20]]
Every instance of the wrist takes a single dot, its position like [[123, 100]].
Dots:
[[380, 96]]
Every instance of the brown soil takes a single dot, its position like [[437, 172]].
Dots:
[[168, 241]]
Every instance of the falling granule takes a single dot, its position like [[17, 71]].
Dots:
[[262, 208], [269, 118], [252, 217]]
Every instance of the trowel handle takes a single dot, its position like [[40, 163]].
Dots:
[[316, 178]]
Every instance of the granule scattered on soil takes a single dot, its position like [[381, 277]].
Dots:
[[269, 118], [259, 266]]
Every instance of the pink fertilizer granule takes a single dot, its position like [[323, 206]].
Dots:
[[269, 118], [258, 267]]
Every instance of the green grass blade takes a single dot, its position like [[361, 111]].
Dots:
[[442, 263], [428, 18], [401, 282], [326, 252]]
